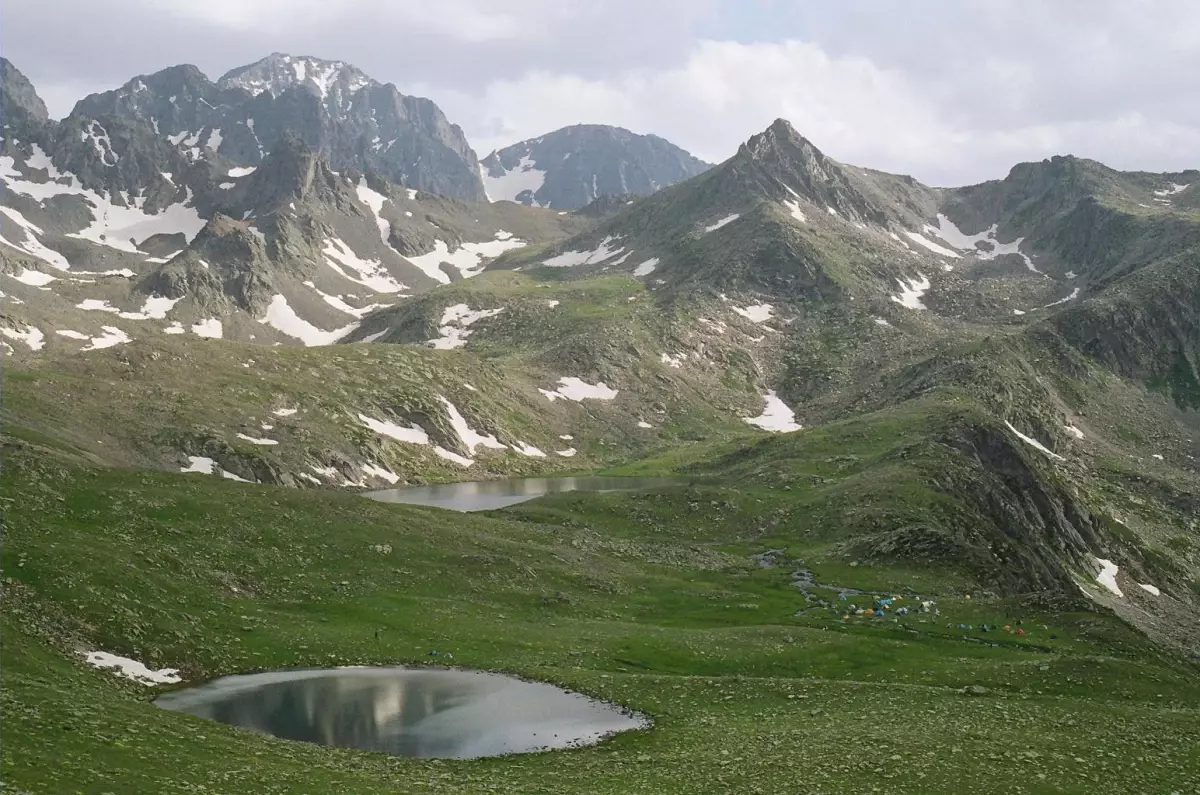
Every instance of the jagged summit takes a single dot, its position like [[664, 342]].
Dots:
[[279, 71], [354, 120], [17, 94]]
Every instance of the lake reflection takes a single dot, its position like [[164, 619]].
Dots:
[[486, 495], [406, 712]]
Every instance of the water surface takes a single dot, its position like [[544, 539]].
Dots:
[[484, 495], [415, 712]]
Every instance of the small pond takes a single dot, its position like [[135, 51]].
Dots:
[[449, 714], [484, 495]]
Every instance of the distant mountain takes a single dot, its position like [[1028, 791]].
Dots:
[[337, 110], [572, 167]]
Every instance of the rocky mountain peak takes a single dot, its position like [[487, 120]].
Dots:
[[279, 71], [353, 120], [782, 145], [17, 94]]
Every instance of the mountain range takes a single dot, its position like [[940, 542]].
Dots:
[[616, 297], [925, 495]]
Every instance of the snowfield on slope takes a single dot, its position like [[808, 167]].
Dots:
[[912, 291], [579, 390], [525, 176], [571, 259], [775, 417], [456, 323], [281, 317], [132, 669]]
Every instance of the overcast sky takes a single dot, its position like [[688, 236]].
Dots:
[[951, 91]]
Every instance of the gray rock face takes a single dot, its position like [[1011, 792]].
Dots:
[[570, 168], [335, 109], [18, 94]]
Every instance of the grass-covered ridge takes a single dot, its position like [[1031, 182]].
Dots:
[[652, 601]]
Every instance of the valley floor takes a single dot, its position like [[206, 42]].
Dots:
[[631, 598]]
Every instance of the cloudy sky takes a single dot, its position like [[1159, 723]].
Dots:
[[951, 91]]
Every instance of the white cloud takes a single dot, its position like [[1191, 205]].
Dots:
[[852, 108], [463, 20], [952, 91]]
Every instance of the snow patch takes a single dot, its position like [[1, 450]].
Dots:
[[111, 337], [413, 434], [729, 219], [257, 440], [644, 424], [1074, 294], [525, 176], [381, 472], [33, 278], [375, 336], [470, 438], [758, 313], [950, 233], [571, 259], [775, 417], [1153, 589], [568, 453], [455, 325], [528, 450], [646, 268], [1171, 189], [31, 245], [1071, 429], [209, 327], [337, 303], [242, 171], [795, 211], [281, 317], [374, 201], [1034, 443], [578, 390], [1108, 576], [100, 142], [921, 240], [371, 272], [912, 291], [468, 258], [199, 464], [132, 669], [31, 336]]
